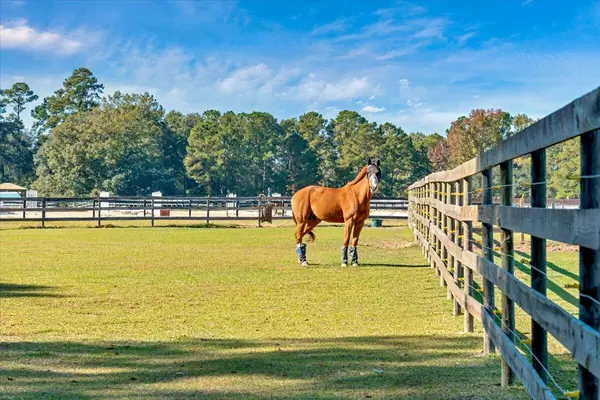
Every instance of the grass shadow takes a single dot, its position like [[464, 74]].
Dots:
[[403, 367], [551, 285], [394, 265], [16, 290], [553, 267]]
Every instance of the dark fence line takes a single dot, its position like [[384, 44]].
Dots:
[[130, 208]]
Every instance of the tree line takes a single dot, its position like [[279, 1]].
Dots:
[[82, 142]]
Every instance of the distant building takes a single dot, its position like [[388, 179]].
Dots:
[[12, 191]]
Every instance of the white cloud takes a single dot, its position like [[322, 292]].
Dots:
[[416, 102], [403, 82], [21, 36], [464, 38], [373, 109], [246, 78], [339, 25], [345, 89], [404, 8], [396, 53], [431, 28], [353, 53], [257, 79]]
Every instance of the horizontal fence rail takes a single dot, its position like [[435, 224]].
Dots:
[[48, 209], [441, 216]]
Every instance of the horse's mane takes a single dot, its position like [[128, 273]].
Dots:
[[359, 177]]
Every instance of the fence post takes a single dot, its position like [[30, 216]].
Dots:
[[444, 231], [24, 207], [152, 211], [99, 213], [539, 337], [450, 227], [259, 211], [468, 246], [508, 307], [429, 213], [439, 224], [43, 213], [487, 246], [207, 210], [589, 260], [190, 208], [456, 309]]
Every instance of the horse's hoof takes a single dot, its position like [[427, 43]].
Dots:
[[305, 264], [355, 264], [344, 265]]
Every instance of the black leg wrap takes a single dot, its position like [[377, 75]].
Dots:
[[354, 255], [344, 254], [301, 252]]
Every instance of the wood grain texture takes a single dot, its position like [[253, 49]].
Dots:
[[536, 388]]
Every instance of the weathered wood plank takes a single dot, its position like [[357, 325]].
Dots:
[[572, 226], [451, 247], [471, 305], [516, 361], [536, 388], [580, 339], [578, 227], [578, 117]]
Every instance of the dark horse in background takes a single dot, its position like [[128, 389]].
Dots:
[[348, 204]]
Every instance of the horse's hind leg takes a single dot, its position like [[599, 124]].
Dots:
[[301, 247], [302, 229]]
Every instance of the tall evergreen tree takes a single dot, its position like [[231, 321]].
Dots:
[[80, 93], [18, 96]]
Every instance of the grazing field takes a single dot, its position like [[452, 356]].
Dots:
[[227, 313]]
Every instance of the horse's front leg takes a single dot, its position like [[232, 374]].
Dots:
[[349, 224], [354, 249]]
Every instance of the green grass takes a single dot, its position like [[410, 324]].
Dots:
[[227, 313]]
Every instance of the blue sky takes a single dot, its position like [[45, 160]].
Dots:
[[419, 65]]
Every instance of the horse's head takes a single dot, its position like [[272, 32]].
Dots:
[[373, 174]]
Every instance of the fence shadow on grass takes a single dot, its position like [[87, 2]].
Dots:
[[17, 290], [394, 265], [551, 285], [415, 367]]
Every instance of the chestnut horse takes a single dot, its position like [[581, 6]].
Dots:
[[348, 204]]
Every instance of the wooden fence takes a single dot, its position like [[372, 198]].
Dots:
[[206, 209], [441, 216]]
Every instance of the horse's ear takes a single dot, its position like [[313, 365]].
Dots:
[[378, 162], [368, 161]]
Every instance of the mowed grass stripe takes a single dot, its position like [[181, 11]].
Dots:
[[228, 313]]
